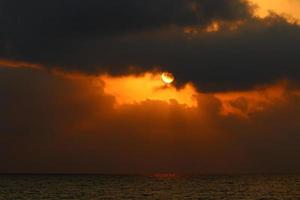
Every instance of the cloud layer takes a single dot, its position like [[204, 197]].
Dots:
[[112, 36], [65, 123]]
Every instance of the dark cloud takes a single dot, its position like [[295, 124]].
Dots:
[[259, 52], [68, 18], [33, 26], [109, 36]]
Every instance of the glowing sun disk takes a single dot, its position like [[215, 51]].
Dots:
[[167, 77]]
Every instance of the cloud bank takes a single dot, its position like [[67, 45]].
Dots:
[[66, 123], [112, 36]]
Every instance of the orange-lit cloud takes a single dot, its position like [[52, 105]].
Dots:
[[19, 64], [214, 26], [248, 102], [290, 9], [149, 86], [136, 89]]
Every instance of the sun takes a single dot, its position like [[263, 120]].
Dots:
[[167, 77]]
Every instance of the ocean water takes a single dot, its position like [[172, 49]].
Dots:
[[14, 187]]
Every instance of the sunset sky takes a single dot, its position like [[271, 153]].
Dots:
[[81, 87]]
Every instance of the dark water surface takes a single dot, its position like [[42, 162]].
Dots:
[[13, 187]]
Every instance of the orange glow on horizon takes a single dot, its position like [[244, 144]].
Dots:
[[164, 175], [134, 89]]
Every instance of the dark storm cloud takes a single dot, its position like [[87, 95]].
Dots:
[[109, 36], [92, 17], [28, 27]]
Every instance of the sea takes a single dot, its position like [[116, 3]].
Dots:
[[157, 186]]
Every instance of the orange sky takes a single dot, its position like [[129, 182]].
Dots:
[[290, 7]]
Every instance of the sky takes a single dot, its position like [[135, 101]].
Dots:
[[81, 88]]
